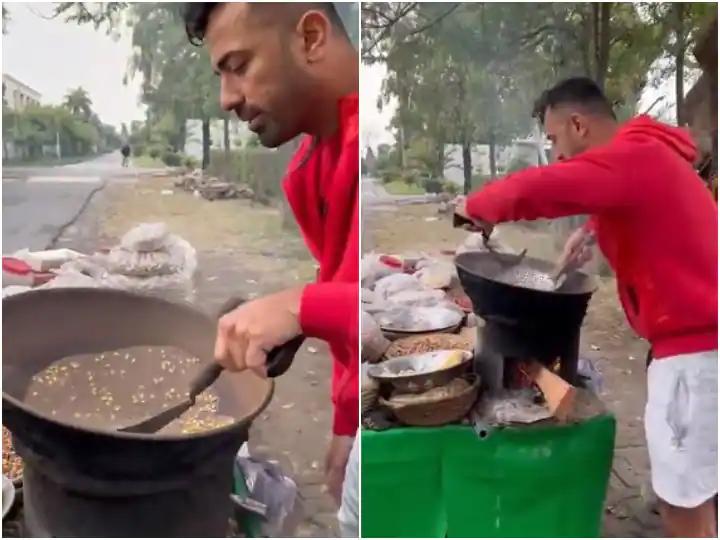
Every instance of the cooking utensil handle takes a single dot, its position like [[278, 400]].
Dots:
[[280, 358], [205, 378], [460, 221]]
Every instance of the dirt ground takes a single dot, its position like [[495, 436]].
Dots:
[[606, 340], [244, 251]]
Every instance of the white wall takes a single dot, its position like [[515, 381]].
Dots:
[[18, 95]]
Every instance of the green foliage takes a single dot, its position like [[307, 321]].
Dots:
[[399, 187], [451, 187], [155, 151], [469, 73], [434, 185], [78, 102], [172, 159], [33, 128]]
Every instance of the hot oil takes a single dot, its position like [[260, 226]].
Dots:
[[114, 389], [524, 276]]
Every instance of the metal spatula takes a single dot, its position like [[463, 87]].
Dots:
[[561, 272], [279, 360]]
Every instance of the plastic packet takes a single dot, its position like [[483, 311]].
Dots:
[[417, 298], [389, 285], [268, 485], [508, 407], [438, 275]]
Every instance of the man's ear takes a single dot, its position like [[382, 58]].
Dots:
[[579, 122], [314, 27]]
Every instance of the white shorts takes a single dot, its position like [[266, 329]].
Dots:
[[681, 427], [348, 514]]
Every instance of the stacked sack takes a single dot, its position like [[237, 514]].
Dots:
[[152, 261]]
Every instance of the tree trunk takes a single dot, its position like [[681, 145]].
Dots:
[[601, 41], [491, 148], [440, 160], [226, 135], [680, 46], [467, 166], [183, 135], [205, 143]]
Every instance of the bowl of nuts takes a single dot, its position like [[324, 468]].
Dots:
[[12, 466]]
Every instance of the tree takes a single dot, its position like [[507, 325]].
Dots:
[[178, 82], [5, 19], [78, 102]]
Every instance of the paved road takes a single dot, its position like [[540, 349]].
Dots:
[[38, 202], [373, 194]]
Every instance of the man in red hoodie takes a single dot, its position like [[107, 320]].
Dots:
[[290, 69], [656, 224]]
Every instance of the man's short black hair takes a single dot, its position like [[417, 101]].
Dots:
[[580, 91], [197, 15]]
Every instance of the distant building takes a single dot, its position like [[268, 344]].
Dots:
[[18, 95]]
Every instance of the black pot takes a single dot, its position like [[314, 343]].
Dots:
[[538, 324], [80, 482]]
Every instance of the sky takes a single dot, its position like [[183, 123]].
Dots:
[[53, 57]]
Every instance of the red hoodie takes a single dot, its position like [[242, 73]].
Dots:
[[655, 221], [321, 187]]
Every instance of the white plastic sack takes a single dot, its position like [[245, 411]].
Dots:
[[145, 237], [367, 296], [14, 289], [417, 298], [143, 263], [173, 287], [437, 275], [42, 261], [71, 278], [389, 285], [178, 286], [373, 343], [372, 268]]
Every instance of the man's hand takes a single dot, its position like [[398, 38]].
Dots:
[[335, 464], [577, 251], [475, 225], [249, 332]]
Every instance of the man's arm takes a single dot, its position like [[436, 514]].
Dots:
[[329, 311], [596, 181]]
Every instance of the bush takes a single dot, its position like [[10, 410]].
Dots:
[[433, 185], [172, 159], [138, 149], [451, 187], [155, 152], [190, 162], [389, 174], [409, 177]]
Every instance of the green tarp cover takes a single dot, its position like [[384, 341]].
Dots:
[[534, 481]]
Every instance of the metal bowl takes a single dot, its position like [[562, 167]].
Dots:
[[423, 378]]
